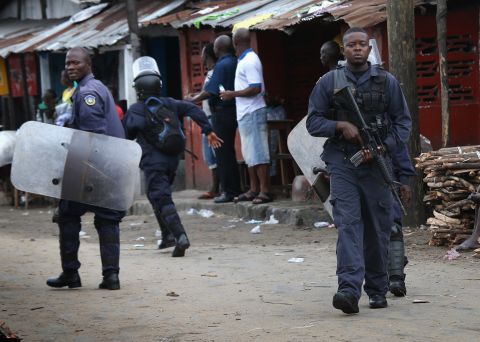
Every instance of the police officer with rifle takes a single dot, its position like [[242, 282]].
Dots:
[[361, 193]]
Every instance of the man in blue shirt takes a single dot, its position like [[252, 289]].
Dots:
[[361, 199], [93, 111], [224, 117]]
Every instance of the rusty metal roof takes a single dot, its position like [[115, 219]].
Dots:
[[278, 14], [226, 14], [207, 13], [261, 14], [104, 28], [14, 32], [359, 13]]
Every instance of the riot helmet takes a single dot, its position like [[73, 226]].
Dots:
[[147, 79]]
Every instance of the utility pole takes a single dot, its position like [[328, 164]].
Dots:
[[443, 67], [402, 64], [133, 28]]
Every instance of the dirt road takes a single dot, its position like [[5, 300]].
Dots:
[[232, 286]]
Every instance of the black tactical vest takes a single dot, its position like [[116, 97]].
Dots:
[[370, 96]]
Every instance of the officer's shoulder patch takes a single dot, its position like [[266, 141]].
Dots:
[[90, 100]]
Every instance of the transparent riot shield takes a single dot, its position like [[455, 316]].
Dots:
[[306, 151], [76, 165], [7, 146]]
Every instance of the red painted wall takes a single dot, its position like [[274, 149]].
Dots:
[[463, 72]]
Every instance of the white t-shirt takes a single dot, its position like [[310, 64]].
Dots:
[[205, 105], [249, 73]]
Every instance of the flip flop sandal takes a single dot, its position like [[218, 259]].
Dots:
[[261, 199], [245, 197]]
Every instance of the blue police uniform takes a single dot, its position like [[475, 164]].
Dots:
[[224, 122], [361, 200], [93, 111], [160, 168]]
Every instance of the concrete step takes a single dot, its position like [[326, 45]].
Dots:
[[285, 211]]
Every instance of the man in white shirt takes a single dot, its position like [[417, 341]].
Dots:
[[251, 117]]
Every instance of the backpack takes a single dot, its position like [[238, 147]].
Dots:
[[163, 129]]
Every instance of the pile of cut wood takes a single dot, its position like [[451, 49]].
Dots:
[[451, 175]]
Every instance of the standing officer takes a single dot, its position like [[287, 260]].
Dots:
[[93, 111], [160, 163], [361, 199], [403, 170]]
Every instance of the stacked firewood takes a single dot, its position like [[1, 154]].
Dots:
[[451, 175]]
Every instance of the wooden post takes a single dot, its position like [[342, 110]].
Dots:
[[12, 122], [133, 28], [43, 4], [402, 62], [443, 67], [28, 113], [19, 9]]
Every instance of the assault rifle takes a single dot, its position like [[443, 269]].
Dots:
[[371, 142]]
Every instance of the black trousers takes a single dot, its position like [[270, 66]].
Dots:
[[224, 122], [106, 222]]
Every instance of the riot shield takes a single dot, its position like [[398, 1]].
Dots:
[[7, 145], [75, 165], [306, 151]]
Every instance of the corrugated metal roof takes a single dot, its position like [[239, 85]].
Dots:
[[225, 17], [280, 14], [103, 29], [196, 13], [358, 13], [290, 15], [271, 14], [110, 26], [15, 32]]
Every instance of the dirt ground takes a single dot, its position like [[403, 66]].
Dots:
[[231, 286]]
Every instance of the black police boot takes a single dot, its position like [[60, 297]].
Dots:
[[181, 246], [397, 286], [396, 266], [70, 279], [346, 302], [167, 241], [110, 282], [377, 302]]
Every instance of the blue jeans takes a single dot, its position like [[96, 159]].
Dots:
[[254, 137], [208, 152]]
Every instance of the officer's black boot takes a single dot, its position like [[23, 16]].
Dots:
[[109, 236], [396, 263], [168, 214], [110, 282], [69, 244], [181, 246], [70, 279], [168, 240]]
